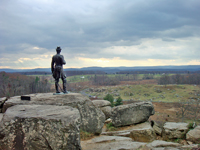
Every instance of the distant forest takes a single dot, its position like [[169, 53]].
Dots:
[[12, 84], [73, 73], [112, 70]]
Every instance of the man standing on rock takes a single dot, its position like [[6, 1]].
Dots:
[[57, 70]]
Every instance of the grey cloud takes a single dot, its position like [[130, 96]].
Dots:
[[88, 27]]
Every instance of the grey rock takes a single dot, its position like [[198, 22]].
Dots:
[[41, 127], [193, 147], [107, 111], [108, 121], [132, 113], [105, 107], [125, 133], [194, 135], [160, 143], [111, 143], [92, 118], [172, 130], [1, 116], [143, 133], [101, 103], [165, 148], [157, 127]]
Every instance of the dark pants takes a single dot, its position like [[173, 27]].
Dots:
[[57, 74]]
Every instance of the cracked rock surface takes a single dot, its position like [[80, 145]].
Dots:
[[92, 118], [41, 127]]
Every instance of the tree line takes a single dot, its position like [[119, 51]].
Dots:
[[105, 80], [179, 79], [12, 84]]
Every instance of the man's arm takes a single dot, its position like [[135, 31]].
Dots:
[[52, 65], [63, 60]]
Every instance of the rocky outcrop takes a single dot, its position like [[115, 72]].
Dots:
[[194, 135], [104, 105], [92, 118], [131, 114], [41, 127], [172, 130], [143, 133], [110, 142]]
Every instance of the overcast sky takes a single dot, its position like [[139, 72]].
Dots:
[[104, 33]]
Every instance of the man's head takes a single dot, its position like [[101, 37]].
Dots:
[[58, 49]]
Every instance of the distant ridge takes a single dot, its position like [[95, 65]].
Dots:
[[26, 70], [191, 68]]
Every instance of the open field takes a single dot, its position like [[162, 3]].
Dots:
[[149, 92], [138, 90], [164, 98]]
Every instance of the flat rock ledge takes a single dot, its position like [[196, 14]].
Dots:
[[41, 127], [125, 143], [141, 132], [92, 118], [111, 143], [162, 144]]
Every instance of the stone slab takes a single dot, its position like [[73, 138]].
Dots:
[[40, 127]]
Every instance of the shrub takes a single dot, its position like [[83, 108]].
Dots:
[[110, 127], [85, 135], [119, 101], [109, 98]]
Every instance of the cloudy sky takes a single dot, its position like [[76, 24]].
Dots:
[[105, 33]]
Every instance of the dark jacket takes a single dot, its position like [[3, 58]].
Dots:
[[57, 66]]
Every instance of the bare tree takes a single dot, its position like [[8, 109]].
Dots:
[[165, 79], [183, 109]]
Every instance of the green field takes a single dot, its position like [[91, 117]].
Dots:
[[149, 92]]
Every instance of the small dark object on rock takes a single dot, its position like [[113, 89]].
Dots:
[[28, 98]]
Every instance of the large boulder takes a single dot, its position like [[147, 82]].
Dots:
[[105, 107], [132, 113], [41, 127], [92, 118], [143, 133], [194, 135], [173, 130]]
